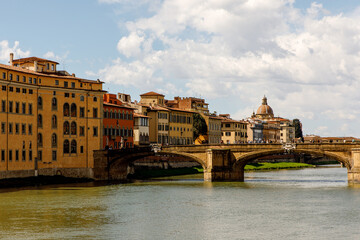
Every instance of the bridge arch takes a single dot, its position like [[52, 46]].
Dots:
[[248, 157], [117, 162]]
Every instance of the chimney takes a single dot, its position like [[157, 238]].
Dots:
[[11, 59], [35, 66]]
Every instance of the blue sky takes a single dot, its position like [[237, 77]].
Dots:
[[303, 55]]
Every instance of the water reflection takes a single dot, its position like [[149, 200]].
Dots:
[[301, 204]]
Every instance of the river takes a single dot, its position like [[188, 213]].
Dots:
[[289, 204]]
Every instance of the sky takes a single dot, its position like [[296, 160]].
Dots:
[[303, 55]]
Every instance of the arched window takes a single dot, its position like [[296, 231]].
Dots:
[[54, 140], [53, 121], [40, 103], [39, 139], [40, 121], [73, 146], [73, 128], [66, 110], [66, 128], [73, 110], [66, 146], [110, 114], [53, 104]]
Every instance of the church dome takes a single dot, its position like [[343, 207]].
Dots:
[[264, 111]]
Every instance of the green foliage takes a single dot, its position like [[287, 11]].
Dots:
[[298, 128], [199, 126], [280, 165]]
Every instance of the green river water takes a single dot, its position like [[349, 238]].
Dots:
[[288, 204]]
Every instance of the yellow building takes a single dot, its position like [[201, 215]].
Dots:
[[180, 127], [214, 128], [233, 131], [50, 120]]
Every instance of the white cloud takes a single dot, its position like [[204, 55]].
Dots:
[[306, 63], [5, 51]]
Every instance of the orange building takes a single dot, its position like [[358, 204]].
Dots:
[[118, 123], [50, 120]]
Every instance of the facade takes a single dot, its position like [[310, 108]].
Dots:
[[141, 130], [214, 128], [255, 132], [180, 127], [158, 124], [287, 131], [233, 131], [190, 104], [50, 120], [118, 122]]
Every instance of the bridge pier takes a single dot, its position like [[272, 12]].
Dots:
[[219, 166], [354, 171]]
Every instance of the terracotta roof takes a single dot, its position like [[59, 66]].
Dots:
[[151, 94], [32, 59], [140, 115], [23, 70], [180, 110], [158, 108], [119, 106]]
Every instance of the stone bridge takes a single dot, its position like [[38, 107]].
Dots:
[[224, 162]]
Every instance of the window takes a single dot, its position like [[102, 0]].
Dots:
[[17, 78], [30, 129], [66, 110], [17, 128], [30, 108], [57, 82], [52, 67], [81, 98], [23, 155], [40, 121], [73, 95], [73, 128], [95, 99], [17, 107], [66, 146], [23, 108], [82, 131], [53, 140], [30, 155], [66, 84], [16, 155], [10, 76], [73, 85], [53, 104], [67, 95], [30, 91], [82, 112], [34, 80], [95, 113], [3, 88], [40, 140], [24, 90], [18, 90], [40, 155], [95, 131], [10, 128], [3, 155], [24, 79], [40, 102], [3, 106], [73, 110], [10, 155], [23, 129], [53, 121], [73, 146], [81, 149], [11, 106], [39, 80], [3, 125], [53, 155], [66, 128], [4, 75]]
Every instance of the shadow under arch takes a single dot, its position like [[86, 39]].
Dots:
[[118, 164], [246, 158]]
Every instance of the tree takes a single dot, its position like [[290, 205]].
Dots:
[[298, 128], [199, 126]]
